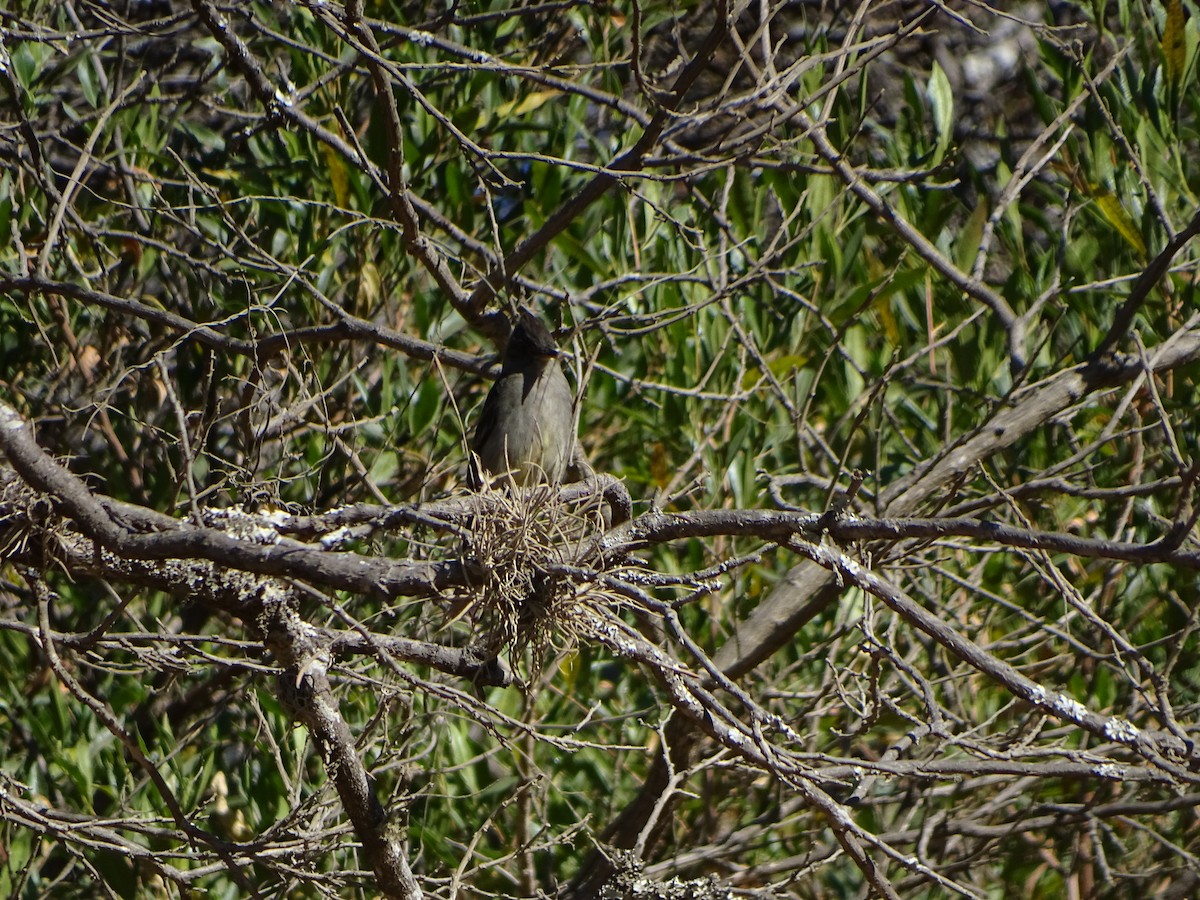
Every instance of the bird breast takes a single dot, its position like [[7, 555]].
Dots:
[[533, 438]]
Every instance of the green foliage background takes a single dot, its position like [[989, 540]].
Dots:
[[750, 318]]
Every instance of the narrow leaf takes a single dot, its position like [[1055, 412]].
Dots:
[[941, 101], [1174, 43], [1115, 214]]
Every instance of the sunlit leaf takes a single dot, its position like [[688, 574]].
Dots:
[[525, 105], [941, 101], [1115, 214]]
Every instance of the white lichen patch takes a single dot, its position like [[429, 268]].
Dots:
[[336, 538], [244, 526], [1122, 730], [1068, 707]]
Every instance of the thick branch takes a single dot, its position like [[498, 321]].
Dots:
[[304, 688]]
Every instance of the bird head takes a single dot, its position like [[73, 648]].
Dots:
[[530, 341]]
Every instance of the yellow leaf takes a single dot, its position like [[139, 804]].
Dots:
[[526, 104], [781, 367], [888, 319], [370, 289], [337, 175], [1118, 218], [1174, 44], [570, 668]]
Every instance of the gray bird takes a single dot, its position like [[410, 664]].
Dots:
[[527, 426]]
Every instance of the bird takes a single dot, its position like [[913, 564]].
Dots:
[[526, 429]]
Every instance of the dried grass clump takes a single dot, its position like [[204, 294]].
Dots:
[[28, 520], [535, 552]]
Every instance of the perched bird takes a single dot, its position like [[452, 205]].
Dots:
[[527, 426]]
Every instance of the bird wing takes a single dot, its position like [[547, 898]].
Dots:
[[488, 418]]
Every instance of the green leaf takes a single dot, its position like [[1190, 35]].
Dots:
[[27, 61], [941, 101], [6, 230], [970, 236], [206, 137], [87, 84]]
